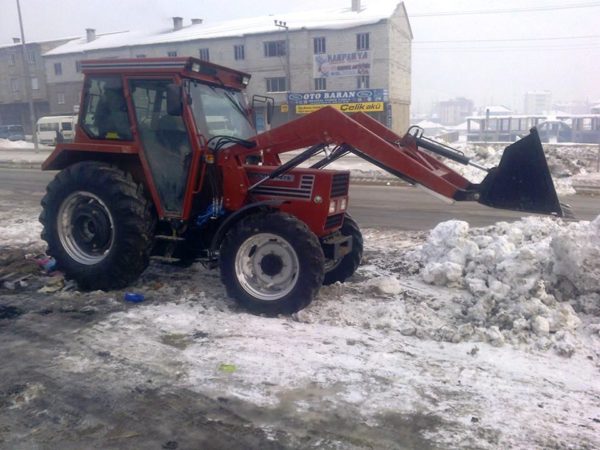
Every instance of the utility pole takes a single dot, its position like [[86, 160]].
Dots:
[[27, 77], [288, 72]]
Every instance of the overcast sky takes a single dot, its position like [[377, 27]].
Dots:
[[554, 50]]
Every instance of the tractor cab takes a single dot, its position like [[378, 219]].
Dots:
[[162, 110]]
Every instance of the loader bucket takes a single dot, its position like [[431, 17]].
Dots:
[[522, 180]]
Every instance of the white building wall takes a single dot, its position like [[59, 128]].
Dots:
[[389, 47]]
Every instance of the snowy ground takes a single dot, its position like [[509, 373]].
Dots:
[[457, 338]]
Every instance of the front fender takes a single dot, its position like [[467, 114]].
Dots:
[[235, 217]]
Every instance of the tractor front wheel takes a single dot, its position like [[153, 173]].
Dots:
[[98, 225], [344, 267], [271, 263]]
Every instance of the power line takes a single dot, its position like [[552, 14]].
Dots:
[[504, 49], [507, 40], [506, 10]]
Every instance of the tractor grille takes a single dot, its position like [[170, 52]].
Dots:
[[334, 221], [339, 184]]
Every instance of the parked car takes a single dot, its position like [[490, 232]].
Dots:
[[12, 132]]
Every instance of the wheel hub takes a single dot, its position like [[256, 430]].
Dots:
[[85, 227], [267, 266], [271, 264]]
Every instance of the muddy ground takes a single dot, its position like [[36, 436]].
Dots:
[[45, 406]]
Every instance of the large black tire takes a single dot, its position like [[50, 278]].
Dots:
[[271, 263], [98, 224], [344, 268]]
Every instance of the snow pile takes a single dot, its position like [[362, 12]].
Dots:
[[518, 282], [12, 145]]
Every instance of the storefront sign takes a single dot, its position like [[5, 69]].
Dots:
[[335, 97], [342, 64], [344, 107]]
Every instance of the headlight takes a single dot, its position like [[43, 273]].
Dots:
[[331, 206], [343, 204]]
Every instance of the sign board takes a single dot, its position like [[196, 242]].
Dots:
[[364, 100], [349, 64], [344, 107], [284, 108]]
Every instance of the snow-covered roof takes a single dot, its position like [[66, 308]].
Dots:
[[427, 124], [464, 126], [372, 11], [44, 41], [497, 109]]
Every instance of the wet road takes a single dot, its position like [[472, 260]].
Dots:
[[404, 208]]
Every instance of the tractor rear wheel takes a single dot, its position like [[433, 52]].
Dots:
[[344, 267], [271, 263], [98, 225]]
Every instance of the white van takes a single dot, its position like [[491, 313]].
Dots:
[[48, 128]]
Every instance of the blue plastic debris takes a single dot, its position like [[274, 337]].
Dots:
[[134, 297]]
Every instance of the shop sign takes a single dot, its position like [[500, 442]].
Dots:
[[336, 97], [349, 64]]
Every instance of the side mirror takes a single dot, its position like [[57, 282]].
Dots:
[[269, 103], [174, 100]]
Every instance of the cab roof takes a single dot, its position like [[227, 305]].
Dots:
[[183, 66]]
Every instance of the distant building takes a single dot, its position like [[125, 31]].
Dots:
[[14, 108], [358, 55], [455, 111], [538, 102]]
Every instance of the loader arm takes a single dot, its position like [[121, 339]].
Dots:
[[374, 143], [521, 181]]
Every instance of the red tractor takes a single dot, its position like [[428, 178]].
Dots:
[[166, 163]]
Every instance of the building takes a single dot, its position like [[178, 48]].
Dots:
[[14, 107], [356, 58], [455, 111], [538, 102]]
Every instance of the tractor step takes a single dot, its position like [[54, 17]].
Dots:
[[165, 259], [164, 237]]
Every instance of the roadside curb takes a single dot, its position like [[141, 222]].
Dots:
[[20, 165]]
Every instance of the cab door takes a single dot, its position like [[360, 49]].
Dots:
[[165, 141]]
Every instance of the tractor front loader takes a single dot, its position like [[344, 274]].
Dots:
[[166, 164]]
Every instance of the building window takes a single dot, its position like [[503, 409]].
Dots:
[[60, 98], [276, 84], [319, 45], [320, 84], [35, 84], [140, 56], [172, 53], [12, 60], [238, 52], [274, 48], [362, 82], [14, 84], [362, 41], [31, 57], [204, 55], [57, 68], [78, 66]]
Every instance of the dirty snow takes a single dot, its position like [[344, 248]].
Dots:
[[476, 327], [492, 334]]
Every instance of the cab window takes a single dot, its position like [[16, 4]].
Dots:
[[105, 109]]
